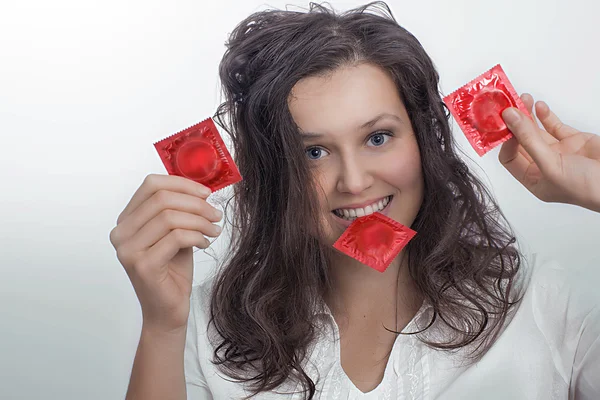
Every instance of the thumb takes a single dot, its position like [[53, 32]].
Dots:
[[528, 136]]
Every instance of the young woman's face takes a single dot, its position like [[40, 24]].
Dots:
[[361, 145]]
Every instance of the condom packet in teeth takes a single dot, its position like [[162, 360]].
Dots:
[[477, 108], [374, 240], [198, 153]]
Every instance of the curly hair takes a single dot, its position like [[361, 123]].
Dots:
[[464, 259]]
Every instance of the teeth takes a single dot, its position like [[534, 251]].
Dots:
[[360, 212]]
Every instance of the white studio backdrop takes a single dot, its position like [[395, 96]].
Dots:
[[87, 87]]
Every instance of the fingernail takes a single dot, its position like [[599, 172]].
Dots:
[[218, 214], [204, 191], [217, 229], [510, 116]]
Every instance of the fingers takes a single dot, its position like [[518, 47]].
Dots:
[[160, 201], [511, 153], [530, 138], [166, 248], [167, 221], [529, 104], [515, 161], [552, 123], [155, 182], [528, 101]]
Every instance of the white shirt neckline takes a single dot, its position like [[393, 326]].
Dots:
[[391, 362]]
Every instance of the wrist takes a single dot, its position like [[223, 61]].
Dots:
[[596, 206], [159, 333], [592, 199]]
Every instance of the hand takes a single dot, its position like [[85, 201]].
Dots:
[[558, 164], [166, 216]]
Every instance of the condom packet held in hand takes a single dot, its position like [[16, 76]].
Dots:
[[374, 240], [478, 105], [198, 153]]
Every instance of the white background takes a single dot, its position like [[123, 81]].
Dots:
[[86, 88]]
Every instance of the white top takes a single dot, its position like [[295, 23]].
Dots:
[[550, 350]]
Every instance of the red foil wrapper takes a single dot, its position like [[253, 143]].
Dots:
[[374, 240], [478, 106], [198, 153]]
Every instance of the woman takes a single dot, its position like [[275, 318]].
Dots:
[[334, 116]]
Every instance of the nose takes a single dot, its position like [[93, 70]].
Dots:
[[354, 175]]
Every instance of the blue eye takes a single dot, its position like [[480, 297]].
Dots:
[[316, 153], [378, 139]]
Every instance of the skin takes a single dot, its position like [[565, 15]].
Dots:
[[555, 162], [356, 165]]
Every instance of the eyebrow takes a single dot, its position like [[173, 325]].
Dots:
[[367, 124]]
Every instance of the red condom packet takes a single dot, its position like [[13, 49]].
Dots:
[[374, 240], [198, 153], [478, 106]]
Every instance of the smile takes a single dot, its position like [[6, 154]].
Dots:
[[351, 214]]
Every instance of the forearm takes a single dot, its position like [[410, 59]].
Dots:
[[158, 367]]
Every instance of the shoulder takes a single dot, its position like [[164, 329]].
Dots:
[[563, 302], [570, 288]]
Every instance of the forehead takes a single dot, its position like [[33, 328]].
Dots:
[[344, 98]]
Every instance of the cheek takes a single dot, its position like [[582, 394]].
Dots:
[[324, 183], [321, 184], [403, 169]]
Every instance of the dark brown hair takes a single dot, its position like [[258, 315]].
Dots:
[[464, 258]]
